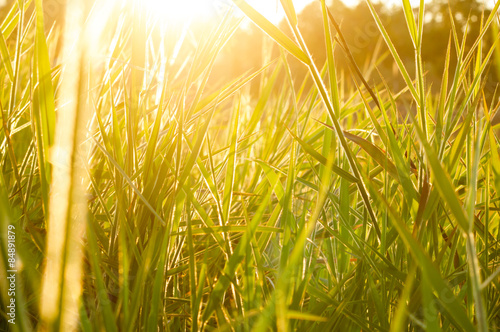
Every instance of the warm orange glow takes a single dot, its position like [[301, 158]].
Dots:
[[186, 11], [179, 12]]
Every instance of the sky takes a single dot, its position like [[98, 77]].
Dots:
[[272, 9], [268, 7], [185, 9], [181, 9]]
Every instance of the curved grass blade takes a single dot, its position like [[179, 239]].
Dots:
[[271, 30], [323, 160]]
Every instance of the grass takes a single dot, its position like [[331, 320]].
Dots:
[[145, 197]]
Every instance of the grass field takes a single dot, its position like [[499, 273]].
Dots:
[[144, 196]]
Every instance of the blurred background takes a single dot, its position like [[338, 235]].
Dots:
[[357, 24]]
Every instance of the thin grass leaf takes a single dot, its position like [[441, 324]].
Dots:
[[323, 160], [271, 30]]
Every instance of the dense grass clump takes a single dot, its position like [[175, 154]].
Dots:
[[147, 197]]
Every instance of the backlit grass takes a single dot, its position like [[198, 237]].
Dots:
[[146, 196]]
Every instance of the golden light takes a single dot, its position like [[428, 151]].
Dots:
[[189, 11], [182, 11]]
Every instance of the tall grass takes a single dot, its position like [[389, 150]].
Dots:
[[145, 197]]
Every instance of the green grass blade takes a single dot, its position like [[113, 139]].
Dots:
[[271, 30], [231, 165]]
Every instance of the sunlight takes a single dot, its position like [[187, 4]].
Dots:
[[179, 12], [186, 11], [272, 9]]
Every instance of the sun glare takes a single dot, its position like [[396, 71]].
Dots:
[[177, 11], [187, 11]]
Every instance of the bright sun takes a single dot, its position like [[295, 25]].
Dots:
[[180, 11], [184, 11]]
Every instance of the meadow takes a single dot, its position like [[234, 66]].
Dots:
[[145, 194]]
